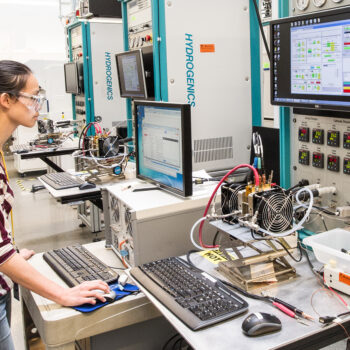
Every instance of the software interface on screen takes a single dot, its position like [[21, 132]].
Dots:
[[320, 58], [160, 145], [71, 78], [130, 71], [311, 60]]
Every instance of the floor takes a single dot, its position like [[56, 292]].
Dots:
[[40, 223]]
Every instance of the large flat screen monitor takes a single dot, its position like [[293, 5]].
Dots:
[[163, 145], [131, 74], [71, 78], [310, 61]]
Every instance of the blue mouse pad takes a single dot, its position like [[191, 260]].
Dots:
[[128, 289]]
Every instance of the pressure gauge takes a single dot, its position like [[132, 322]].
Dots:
[[319, 3], [302, 4]]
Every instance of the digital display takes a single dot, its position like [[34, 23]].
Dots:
[[318, 136], [311, 60], [346, 166], [163, 145], [304, 134], [304, 157], [318, 160], [333, 138], [333, 163], [346, 140]]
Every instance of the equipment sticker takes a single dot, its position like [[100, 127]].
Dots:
[[207, 47], [344, 278], [215, 256]]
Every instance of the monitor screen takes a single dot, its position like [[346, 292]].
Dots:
[[71, 78], [131, 74], [310, 61], [163, 145]]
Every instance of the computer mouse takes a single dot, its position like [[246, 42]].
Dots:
[[260, 323], [110, 296], [86, 186]]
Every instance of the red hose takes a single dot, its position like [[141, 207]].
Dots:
[[256, 175]]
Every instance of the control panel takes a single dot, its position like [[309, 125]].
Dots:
[[139, 24], [324, 158], [299, 7], [77, 56]]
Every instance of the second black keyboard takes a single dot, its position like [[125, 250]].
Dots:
[[196, 298], [75, 264], [62, 181]]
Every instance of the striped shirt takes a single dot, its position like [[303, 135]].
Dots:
[[6, 246]]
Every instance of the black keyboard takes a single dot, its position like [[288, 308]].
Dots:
[[196, 298], [62, 181], [75, 264]]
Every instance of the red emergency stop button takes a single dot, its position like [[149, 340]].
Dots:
[[148, 38]]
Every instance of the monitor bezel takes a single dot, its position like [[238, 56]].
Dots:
[[311, 106], [75, 64], [186, 146], [141, 75]]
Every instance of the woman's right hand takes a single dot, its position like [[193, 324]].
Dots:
[[84, 293]]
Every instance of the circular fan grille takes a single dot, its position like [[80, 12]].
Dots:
[[275, 212], [230, 199], [111, 147]]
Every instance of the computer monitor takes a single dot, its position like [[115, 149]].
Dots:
[[310, 60], [131, 74], [163, 145], [71, 78]]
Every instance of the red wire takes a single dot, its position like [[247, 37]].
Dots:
[[256, 175], [86, 130], [333, 291]]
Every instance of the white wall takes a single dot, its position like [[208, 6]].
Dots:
[[32, 33], [31, 29]]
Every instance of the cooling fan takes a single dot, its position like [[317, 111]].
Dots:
[[275, 210], [229, 200], [110, 147]]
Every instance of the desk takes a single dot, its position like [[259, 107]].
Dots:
[[60, 326], [228, 335], [44, 154]]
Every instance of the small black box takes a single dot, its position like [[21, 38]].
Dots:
[[101, 8]]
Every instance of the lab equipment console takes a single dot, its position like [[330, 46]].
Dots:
[[75, 264], [195, 297], [144, 226], [322, 158]]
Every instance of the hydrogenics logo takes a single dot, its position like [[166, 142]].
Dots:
[[191, 94], [109, 83]]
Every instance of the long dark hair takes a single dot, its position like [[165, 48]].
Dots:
[[13, 77]]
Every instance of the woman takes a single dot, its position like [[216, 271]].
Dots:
[[20, 105]]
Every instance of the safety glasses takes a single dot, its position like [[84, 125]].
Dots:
[[32, 102]]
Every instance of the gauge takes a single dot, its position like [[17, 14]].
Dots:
[[319, 3], [302, 4]]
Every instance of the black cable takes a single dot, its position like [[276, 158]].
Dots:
[[169, 340], [190, 261], [82, 133], [324, 210], [177, 341], [216, 236], [262, 29]]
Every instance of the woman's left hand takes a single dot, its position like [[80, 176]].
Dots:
[[26, 253]]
